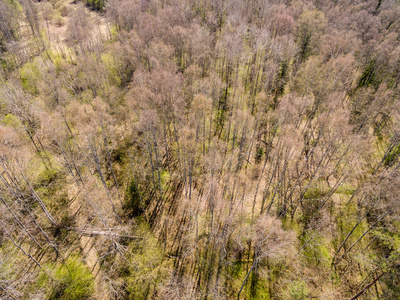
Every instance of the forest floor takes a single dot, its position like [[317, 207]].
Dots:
[[57, 32]]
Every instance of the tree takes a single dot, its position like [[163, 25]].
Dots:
[[79, 28]]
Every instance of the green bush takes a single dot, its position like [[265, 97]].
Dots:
[[132, 200], [29, 77], [345, 190], [144, 270], [368, 76], [95, 4], [73, 280], [59, 20], [392, 155], [298, 290], [11, 120]]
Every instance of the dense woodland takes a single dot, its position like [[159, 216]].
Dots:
[[200, 149]]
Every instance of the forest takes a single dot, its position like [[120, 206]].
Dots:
[[199, 149]]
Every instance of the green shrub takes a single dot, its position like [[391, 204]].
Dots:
[[345, 190], [316, 249], [368, 76], [73, 280], [47, 176], [63, 10], [311, 203], [111, 66], [59, 20], [259, 154], [132, 200], [298, 290], [144, 270], [392, 155], [12, 121], [95, 4], [29, 76]]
